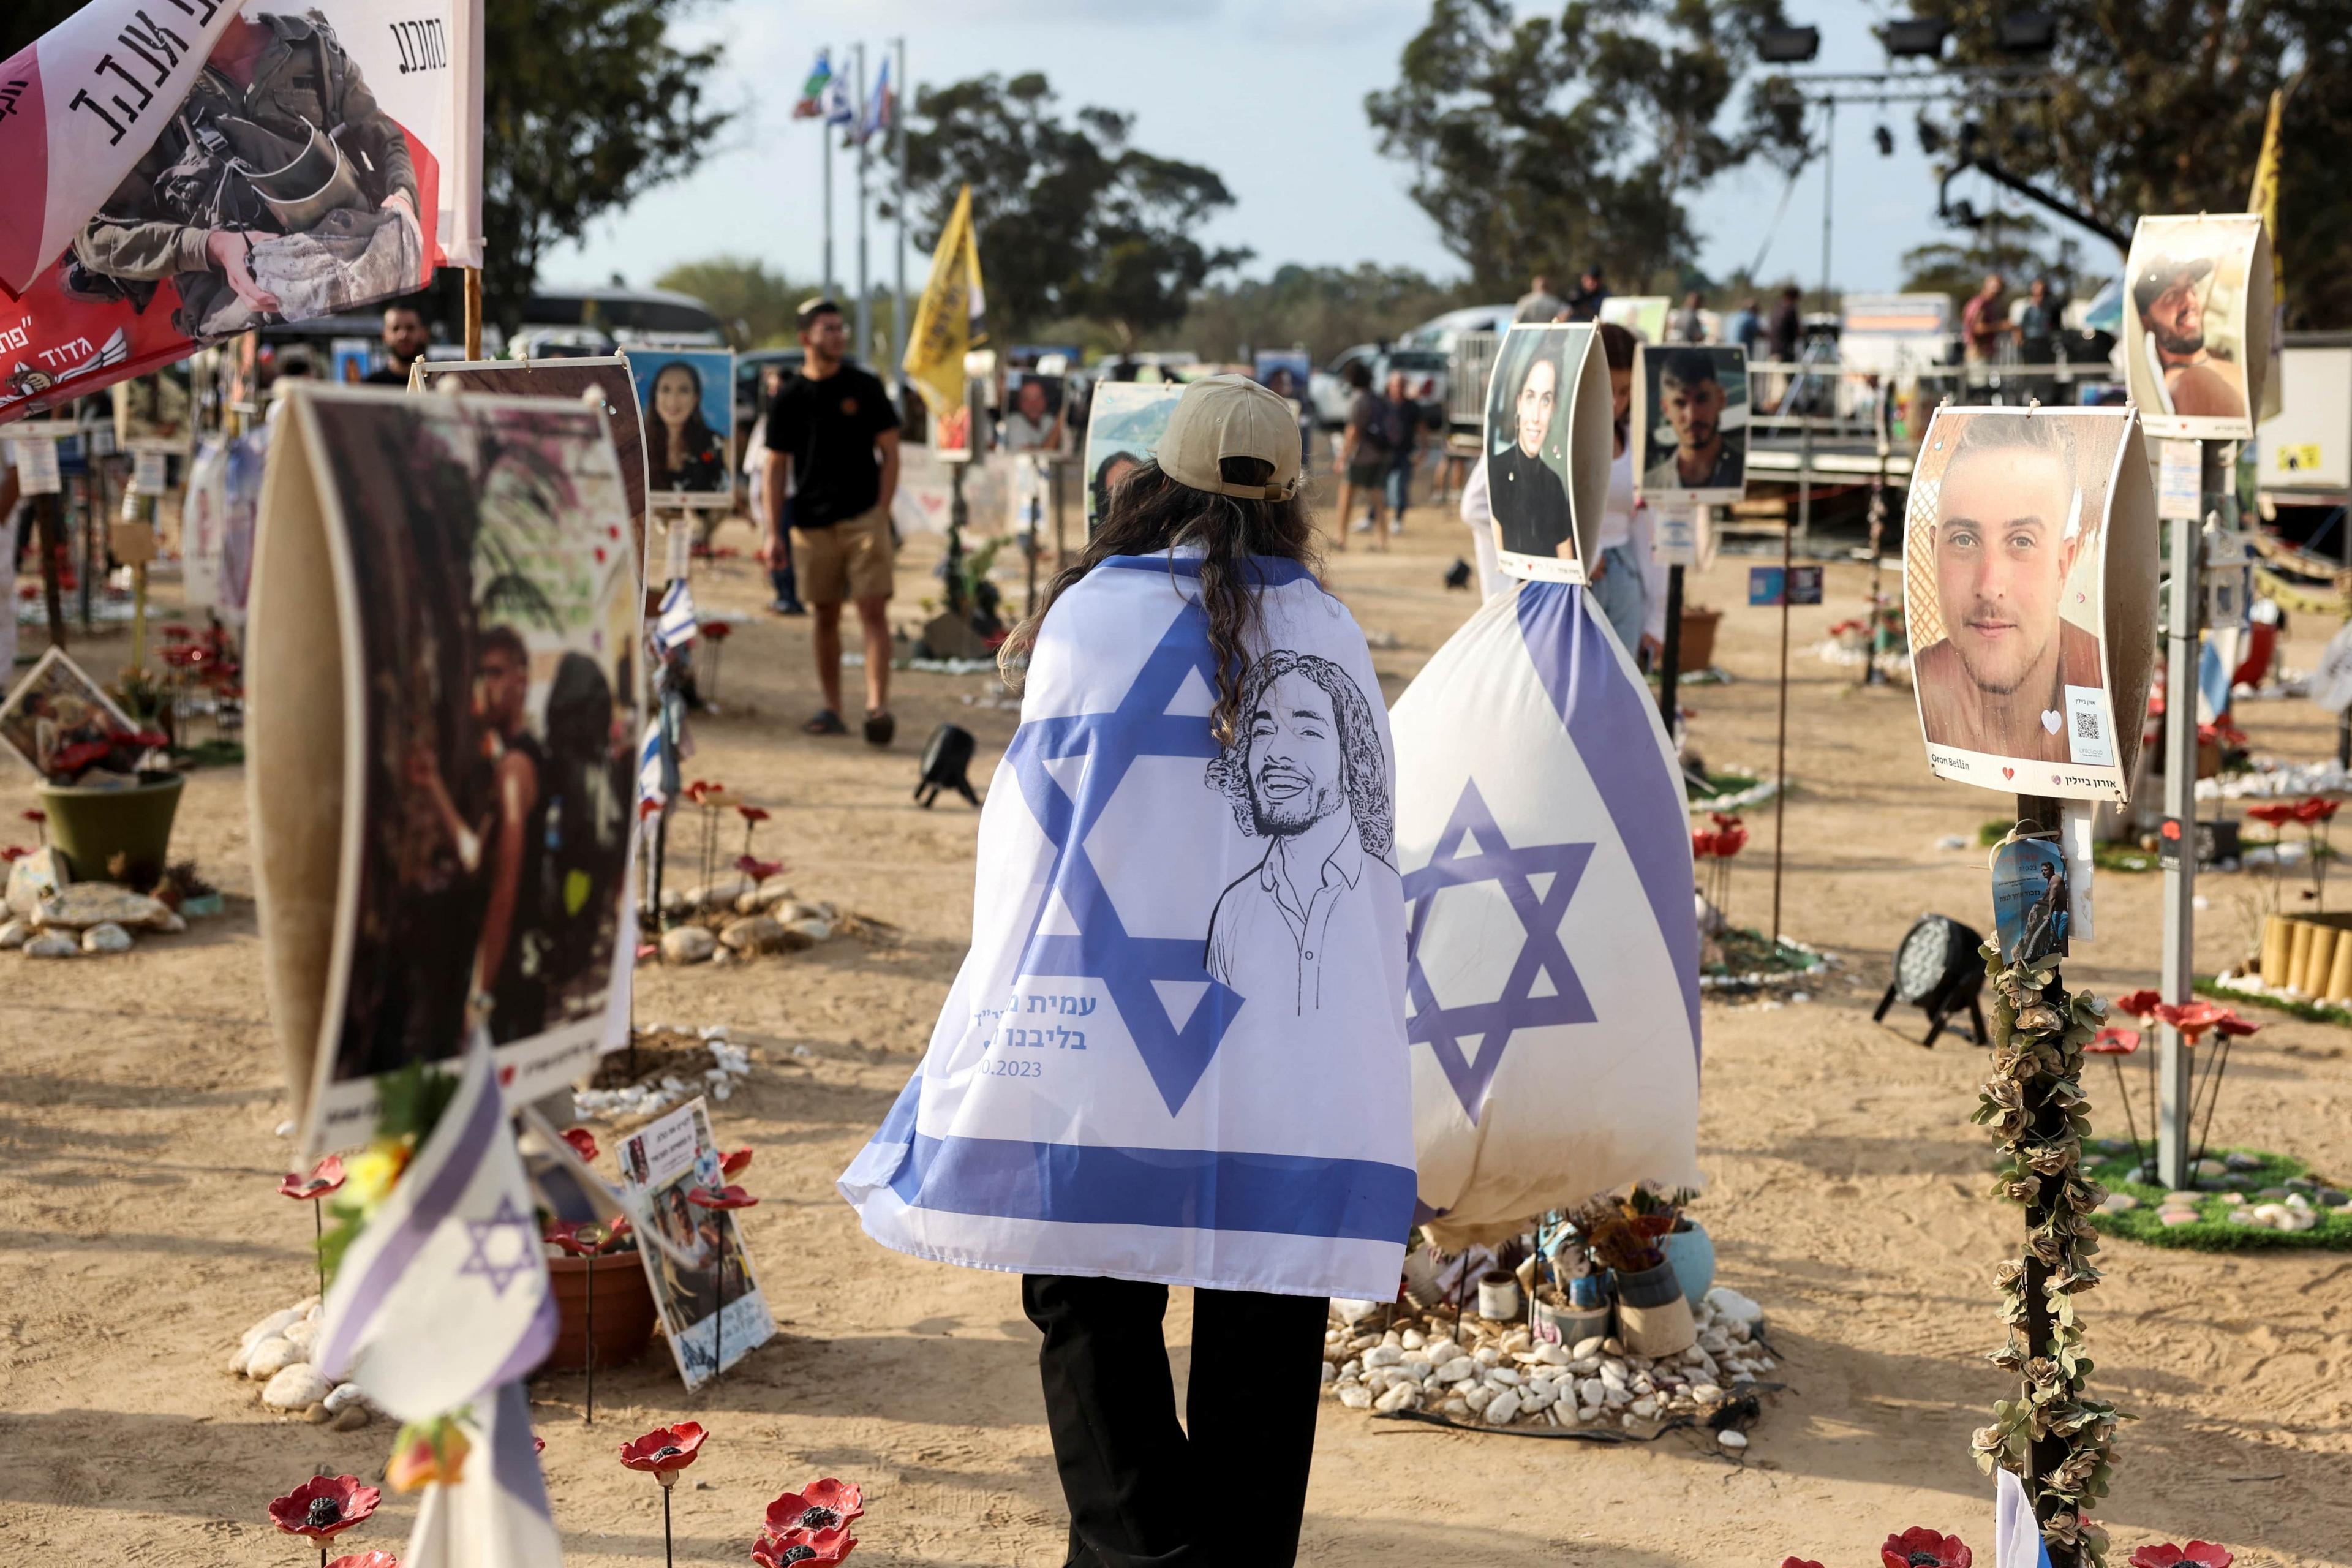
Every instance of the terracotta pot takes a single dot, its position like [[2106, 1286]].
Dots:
[[1698, 637], [625, 1311]]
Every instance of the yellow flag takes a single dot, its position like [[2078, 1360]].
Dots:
[[2264, 200], [949, 322]]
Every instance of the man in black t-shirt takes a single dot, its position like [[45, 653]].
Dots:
[[405, 337], [832, 443]]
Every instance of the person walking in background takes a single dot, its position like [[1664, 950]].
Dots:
[[832, 447], [405, 337], [1785, 333], [2038, 325], [1984, 321], [1362, 460], [1538, 304], [781, 580], [1628, 585], [1401, 426], [1687, 325], [1584, 301], [1746, 325]]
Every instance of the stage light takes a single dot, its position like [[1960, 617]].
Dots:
[[946, 760], [1931, 136], [1885, 140], [2026, 33], [1916, 38], [1939, 969], [1787, 46], [1964, 213]]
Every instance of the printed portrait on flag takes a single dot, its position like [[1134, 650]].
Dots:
[[445, 582], [299, 172], [2197, 324], [688, 400], [2029, 551], [1547, 440], [696, 1259], [1689, 422]]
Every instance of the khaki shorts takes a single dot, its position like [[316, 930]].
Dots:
[[850, 560]]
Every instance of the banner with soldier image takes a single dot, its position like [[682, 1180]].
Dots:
[[442, 670], [1689, 422], [2197, 324], [176, 172], [2029, 570]]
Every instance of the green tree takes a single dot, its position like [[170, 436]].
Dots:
[[757, 305], [586, 107], [2158, 106], [1328, 309], [1544, 144], [1075, 223]]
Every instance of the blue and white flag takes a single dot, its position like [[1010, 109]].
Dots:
[[678, 624], [649, 765], [881, 105], [497, 1516], [1553, 965], [2016, 1534], [1176, 1050], [444, 1297], [838, 109]]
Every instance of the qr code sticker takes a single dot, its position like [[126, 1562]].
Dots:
[[2086, 726]]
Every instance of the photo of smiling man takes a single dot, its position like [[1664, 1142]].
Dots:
[[2197, 309], [2004, 565]]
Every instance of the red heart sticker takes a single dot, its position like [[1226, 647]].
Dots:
[[2009, 773], [2171, 830], [506, 1076]]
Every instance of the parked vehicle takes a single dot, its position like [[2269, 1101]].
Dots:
[[1328, 392]]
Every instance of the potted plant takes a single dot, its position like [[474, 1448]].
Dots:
[[1688, 1247], [1653, 1316], [112, 794]]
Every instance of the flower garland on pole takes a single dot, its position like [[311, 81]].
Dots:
[[2059, 1441]]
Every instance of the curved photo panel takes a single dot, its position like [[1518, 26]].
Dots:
[[686, 400], [1547, 450], [2029, 558], [1689, 421], [2197, 324], [442, 668], [1123, 429]]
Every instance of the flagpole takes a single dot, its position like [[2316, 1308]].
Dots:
[[825, 137], [864, 294], [898, 336]]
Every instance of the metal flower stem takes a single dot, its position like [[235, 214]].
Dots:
[[719, 1327], [318, 1247], [2213, 1094], [589, 1419], [2130, 1125], [667, 1560]]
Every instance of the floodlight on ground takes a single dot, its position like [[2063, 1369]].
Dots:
[[1939, 969], [946, 761], [1787, 46], [2026, 33], [1916, 38]]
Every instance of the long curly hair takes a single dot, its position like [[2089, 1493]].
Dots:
[[1367, 780], [1150, 514]]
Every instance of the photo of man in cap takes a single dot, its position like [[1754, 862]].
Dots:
[[2009, 524], [2195, 374]]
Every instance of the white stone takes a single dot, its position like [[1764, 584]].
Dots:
[[88, 904], [1645, 1407], [752, 934], [1538, 1399], [1585, 1366], [302, 1335], [1614, 1375], [1503, 1408], [812, 929], [14, 934], [1403, 1396], [53, 944], [1384, 1355], [270, 1357], [775, 890], [1356, 1397], [1732, 1439], [297, 1387], [172, 925], [1552, 1356], [274, 1323], [1412, 1340], [342, 1394], [1706, 1393], [1478, 1396], [1455, 1371], [36, 877], [1487, 1355], [687, 944], [1441, 1351], [1351, 1367], [1588, 1413], [1586, 1348], [1591, 1391], [1504, 1375], [1612, 1346], [106, 937], [721, 892]]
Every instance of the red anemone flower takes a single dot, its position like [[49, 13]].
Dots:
[[718, 631], [80, 754], [2278, 813], [174, 631], [2196, 1554], [2113, 1041], [1723, 819], [538, 1446], [366, 1560], [2140, 1004], [821, 1505], [2192, 1018], [648, 808], [2230, 1024], [752, 813], [1802, 1561], [583, 1142], [14, 852], [2316, 809], [734, 1163], [36, 815], [724, 1198], [324, 1178], [664, 1450], [324, 1506], [1730, 841], [800, 1549], [752, 866], [1702, 844], [1919, 1547], [586, 1239]]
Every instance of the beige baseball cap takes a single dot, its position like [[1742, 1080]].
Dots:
[[1221, 416]]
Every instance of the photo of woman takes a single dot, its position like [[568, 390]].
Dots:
[[690, 417], [1548, 429]]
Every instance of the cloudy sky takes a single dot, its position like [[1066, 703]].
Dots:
[[1269, 93]]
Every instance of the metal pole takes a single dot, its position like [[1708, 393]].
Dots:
[[1781, 752], [899, 294], [473, 312], [2173, 1096], [1805, 458], [824, 136], [49, 528], [1670, 658], [864, 294]]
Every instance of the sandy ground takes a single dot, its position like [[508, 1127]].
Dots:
[[140, 1230]]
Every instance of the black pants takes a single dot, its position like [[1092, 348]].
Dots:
[[1143, 1493]]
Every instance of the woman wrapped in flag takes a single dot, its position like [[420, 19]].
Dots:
[[1176, 1052]]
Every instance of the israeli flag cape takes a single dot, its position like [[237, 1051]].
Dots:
[[1553, 965], [1176, 1050]]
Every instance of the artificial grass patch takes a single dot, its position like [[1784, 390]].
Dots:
[[2213, 1232], [2310, 1012]]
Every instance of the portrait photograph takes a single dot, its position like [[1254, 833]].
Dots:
[[1548, 449], [58, 706], [697, 1257], [687, 402], [2026, 645], [484, 606], [2031, 904], [1123, 431], [2196, 319], [1285, 372], [1689, 422], [1035, 419], [572, 379]]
